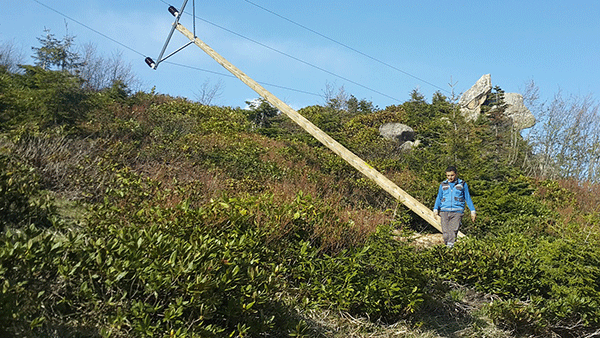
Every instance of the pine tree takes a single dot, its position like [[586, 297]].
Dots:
[[55, 53]]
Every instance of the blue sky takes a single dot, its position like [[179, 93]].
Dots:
[[402, 45]]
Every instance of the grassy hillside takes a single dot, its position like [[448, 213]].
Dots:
[[137, 214]]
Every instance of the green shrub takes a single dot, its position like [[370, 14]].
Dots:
[[42, 98], [380, 280], [572, 272], [507, 206], [502, 265], [549, 284], [523, 318], [201, 272], [21, 200]]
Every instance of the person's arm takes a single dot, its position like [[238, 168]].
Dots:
[[470, 204], [438, 201]]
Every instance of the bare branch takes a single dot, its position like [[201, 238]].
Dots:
[[208, 92]]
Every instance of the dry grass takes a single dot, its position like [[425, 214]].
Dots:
[[336, 324], [422, 241], [330, 323], [458, 314]]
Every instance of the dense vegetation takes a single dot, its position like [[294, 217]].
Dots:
[[138, 214]]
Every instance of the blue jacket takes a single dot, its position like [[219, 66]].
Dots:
[[452, 197]]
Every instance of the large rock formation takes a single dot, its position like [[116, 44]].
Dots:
[[397, 131], [402, 133], [470, 104], [521, 117]]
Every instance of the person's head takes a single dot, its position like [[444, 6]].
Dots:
[[451, 174]]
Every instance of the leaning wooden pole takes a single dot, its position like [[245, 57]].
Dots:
[[320, 135]]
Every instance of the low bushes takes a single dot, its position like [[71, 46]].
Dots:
[[173, 245], [381, 280], [147, 264], [21, 199], [545, 285], [142, 277]]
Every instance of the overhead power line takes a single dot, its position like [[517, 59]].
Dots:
[[292, 57], [301, 61], [88, 27], [223, 74], [344, 45], [232, 76]]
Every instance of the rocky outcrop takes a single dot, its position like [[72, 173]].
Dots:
[[521, 117], [397, 131], [470, 102], [402, 133]]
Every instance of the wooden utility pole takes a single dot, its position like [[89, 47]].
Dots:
[[320, 135]]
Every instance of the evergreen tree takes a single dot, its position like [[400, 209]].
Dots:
[[261, 111], [55, 53]]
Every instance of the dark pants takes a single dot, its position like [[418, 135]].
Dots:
[[450, 225]]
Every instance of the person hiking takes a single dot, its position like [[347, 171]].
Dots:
[[450, 205]]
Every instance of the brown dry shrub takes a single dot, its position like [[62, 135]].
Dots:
[[70, 167], [576, 206], [587, 195]]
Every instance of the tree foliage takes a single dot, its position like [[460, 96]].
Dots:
[[56, 53]]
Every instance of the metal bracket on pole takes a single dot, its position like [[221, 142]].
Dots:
[[177, 14]]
